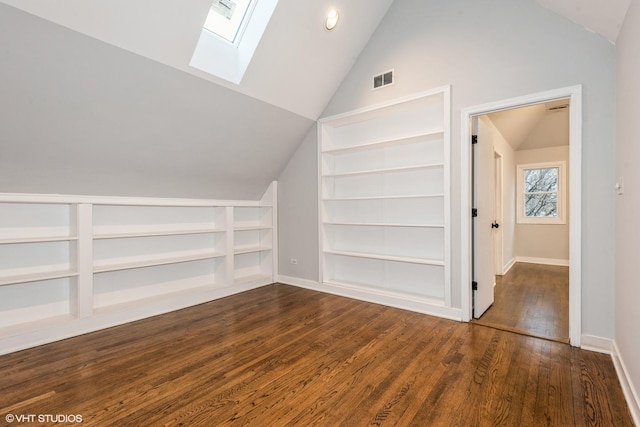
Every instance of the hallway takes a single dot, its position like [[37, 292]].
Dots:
[[531, 299]]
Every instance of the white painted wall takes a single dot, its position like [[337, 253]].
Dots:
[[627, 232], [79, 116], [488, 51], [508, 224], [544, 241]]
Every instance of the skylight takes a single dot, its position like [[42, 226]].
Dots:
[[227, 18], [230, 36]]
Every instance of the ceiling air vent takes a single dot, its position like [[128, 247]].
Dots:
[[383, 79]]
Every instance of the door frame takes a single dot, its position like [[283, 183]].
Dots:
[[574, 95]]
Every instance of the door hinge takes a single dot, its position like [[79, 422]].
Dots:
[[474, 139], [474, 213], [474, 286]]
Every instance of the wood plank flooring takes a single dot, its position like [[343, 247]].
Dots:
[[531, 299], [284, 356]]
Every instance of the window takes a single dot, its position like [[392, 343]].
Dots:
[[226, 18], [230, 36], [541, 193]]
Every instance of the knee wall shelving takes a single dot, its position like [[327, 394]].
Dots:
[[384, 202], [74, 264]]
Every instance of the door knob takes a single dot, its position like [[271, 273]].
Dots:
[[495, 225]]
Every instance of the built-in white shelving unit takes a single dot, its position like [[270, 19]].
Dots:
[[74, 264], [384, 202]]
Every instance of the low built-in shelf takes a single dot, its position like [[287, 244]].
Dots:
[[384, 224], [36, 277], [385, 170], [410, 139], [155, 262], [157, 233], [410, 260]]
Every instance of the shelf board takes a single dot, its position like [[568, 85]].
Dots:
[[156, 233], [43, 239], [382, 224], [410, 196], [253, 227], [156, 262], [384, 143], [37, 277], [409, 260], [36, 325], [385, 170], [251, 278], [250, 249]]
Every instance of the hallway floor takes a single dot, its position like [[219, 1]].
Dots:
[[531, 299]]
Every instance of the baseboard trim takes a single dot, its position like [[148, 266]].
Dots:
[[510, 264], [396, 300], [544, 261], [608, 346], [597, 344], [630, 392]]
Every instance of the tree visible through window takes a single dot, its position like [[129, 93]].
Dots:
[[541, 192]]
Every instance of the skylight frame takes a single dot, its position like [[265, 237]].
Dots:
[[238, 30]]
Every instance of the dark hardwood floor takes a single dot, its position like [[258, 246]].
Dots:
[[531, 299], [281, 355]]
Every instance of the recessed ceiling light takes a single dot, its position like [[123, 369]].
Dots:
[[332, 20]]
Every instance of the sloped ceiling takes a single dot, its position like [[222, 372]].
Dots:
[[604, 17], [297, 66], [535, 126], [81, 116], [98, 97]]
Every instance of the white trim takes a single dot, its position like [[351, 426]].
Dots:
[[543, 261], [630, 392], [110, 200], [609, 346], [597, 344], [508, 266], [376, 296], [574, 94]]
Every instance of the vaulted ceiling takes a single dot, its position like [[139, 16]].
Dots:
[[297, 66], [98, 96]]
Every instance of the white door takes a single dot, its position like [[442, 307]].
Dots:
[[484, 202]]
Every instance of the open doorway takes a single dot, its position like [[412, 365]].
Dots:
[[485, 287], [522, 154]]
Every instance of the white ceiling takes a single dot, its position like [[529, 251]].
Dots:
[[535, 126], [297, 66], [604, 17]]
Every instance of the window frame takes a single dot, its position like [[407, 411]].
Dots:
[[561, 193]]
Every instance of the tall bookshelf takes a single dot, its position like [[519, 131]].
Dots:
[[384, 200]]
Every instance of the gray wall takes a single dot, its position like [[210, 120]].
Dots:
[[298, 213], [79, 116], [491, 50], [627, 232]]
